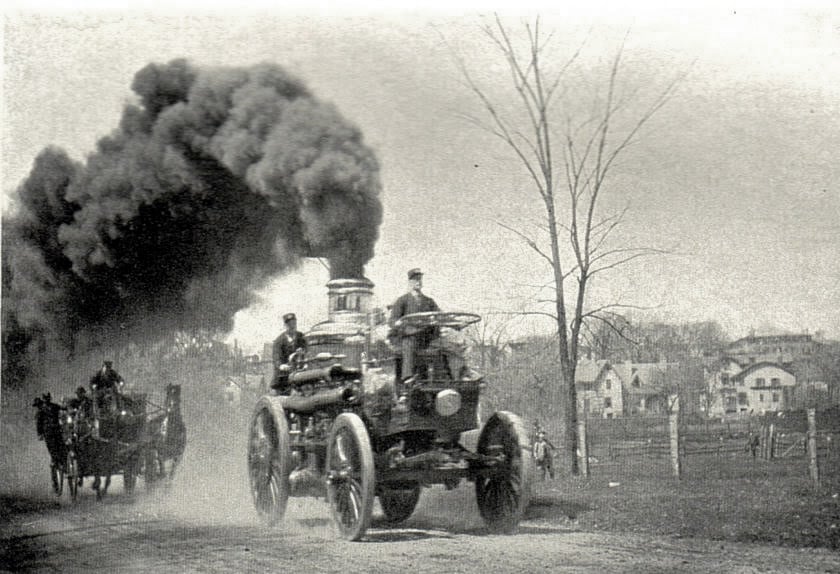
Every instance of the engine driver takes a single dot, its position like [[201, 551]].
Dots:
[[407, 340]]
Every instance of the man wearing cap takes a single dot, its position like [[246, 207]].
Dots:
[[287, 343], [106, 377], [414, 301]]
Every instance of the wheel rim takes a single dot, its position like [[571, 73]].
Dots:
[[130, 476], [265, 471], [502, 495], [350, 477]]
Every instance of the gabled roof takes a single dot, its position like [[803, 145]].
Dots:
[[651, 377], [588, 372], [755, 366]]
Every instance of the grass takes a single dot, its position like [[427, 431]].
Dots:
[[729, 498]]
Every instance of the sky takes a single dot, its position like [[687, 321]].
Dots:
[[736, 177]]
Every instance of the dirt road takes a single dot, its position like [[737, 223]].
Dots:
[[204, 522], [171, 532]]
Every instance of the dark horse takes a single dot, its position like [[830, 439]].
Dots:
[[167, 438], [48, 426]]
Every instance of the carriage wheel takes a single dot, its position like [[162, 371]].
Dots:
[[269, 460], [57, 479], [130, 474], [350, 476], [397, 503], [150, 467], [72, 473], [503, 494]]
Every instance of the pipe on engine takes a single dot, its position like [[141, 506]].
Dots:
[[310, 375], [321, 399]]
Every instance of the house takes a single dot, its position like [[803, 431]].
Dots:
[[764, 387], [721, 395], [772, 348], [648, 386], [599, 389]]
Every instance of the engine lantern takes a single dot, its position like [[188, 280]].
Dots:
[[447, 402]]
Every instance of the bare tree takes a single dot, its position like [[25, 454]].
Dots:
[[488, 338], [568, 160]]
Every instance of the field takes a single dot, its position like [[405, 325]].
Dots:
[[730, 498]]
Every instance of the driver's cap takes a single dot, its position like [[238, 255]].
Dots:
[[415, 273]]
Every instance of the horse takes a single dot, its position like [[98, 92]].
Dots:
[[48, 427], [168, 438]]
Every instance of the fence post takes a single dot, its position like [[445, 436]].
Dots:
[[765, 441], [673, 426], [812, 447], [771, 442], [583, 448]]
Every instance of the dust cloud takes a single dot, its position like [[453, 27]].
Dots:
[[210, 486]]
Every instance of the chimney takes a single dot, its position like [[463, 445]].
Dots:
[[349, 300]]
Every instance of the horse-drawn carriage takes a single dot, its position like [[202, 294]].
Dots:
[[108, 433], [350, 428]]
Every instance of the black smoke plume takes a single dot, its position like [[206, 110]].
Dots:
[[215, 181]]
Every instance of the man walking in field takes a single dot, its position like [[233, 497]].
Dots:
[[543, 455]]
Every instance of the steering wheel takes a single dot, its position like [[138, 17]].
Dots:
[[452, 320]]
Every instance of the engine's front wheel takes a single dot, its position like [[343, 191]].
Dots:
[[269, 459], [503, 492], [350, 476]]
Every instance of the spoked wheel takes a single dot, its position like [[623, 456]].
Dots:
[[72, 473], [398, 503], [57, 474], [502, 493], [130, 474], [151, 468], [269, 460], [350, 476]]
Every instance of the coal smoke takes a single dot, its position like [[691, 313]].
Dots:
[[215, 181]]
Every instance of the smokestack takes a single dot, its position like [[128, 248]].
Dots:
[[215, 181]]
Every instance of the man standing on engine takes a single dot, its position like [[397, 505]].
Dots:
[[290, 341], [408, 339]]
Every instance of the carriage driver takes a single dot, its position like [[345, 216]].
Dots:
[[290, 341], [103, 383], [407, 340], [106, 377]]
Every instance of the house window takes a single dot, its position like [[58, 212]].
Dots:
[[759, 382], [608, 384], [636, 383], [775, 382], [724, 378], [761, 397], [742, 399], [775, 397], [607, 402]]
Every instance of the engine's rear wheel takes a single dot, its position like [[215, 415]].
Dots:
[[503, 493], [398, 504], [57, 474], [269, 460], [350, 476], [72, 473]]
